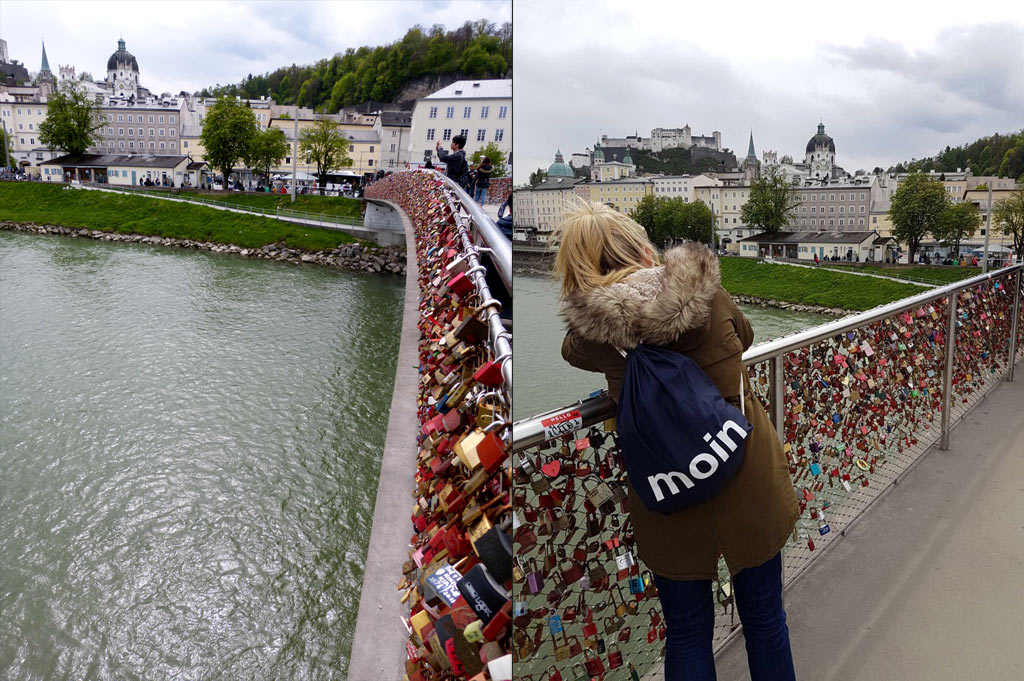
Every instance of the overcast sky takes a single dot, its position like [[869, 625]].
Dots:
[[190, 44], [890, 80]]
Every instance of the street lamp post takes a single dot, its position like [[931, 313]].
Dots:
[[988, 228]]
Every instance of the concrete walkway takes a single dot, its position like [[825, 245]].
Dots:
[[929, 584], [381, 237], [854, 272]]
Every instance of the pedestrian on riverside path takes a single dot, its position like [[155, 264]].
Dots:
[[616, 293], [483, 179]]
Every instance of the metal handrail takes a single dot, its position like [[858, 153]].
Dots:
[[529, 432], [501, 247]]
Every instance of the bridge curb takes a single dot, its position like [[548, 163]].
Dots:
[[379, 638]]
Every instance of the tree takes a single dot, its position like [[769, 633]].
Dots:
[[787, 159], [916, 209], [72, 120], [538, 176], [325, 145], [772, 203], [228, 133], [8, 157], [668, 220], [1010, 214], [267, 150], [957, 222], [496, 155]]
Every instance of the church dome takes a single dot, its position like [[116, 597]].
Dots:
[[821, 140], [598, 153], [559, 168], [122, 56]]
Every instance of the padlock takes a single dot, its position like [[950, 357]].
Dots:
[[614, 657]]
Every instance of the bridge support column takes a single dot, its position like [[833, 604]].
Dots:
[[1013, 324], [947, 371]]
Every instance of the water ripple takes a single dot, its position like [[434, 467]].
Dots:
[[189, 446]]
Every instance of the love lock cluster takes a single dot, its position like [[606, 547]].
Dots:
[[458, 578]]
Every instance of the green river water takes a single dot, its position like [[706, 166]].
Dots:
[[543, 381], [189, 451]]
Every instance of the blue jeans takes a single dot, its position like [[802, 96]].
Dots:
[[481, 195], [690, 618]]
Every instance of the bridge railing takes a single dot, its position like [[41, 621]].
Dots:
[[462, 508], [856, 402]]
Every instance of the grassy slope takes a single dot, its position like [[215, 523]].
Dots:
[[935, 275], [742, 276], [56, 205], [332, 205]]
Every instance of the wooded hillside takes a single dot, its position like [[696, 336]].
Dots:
[[1001, 155], [475, 50]]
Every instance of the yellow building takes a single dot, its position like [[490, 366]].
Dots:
[[363, 149], [622, 195]]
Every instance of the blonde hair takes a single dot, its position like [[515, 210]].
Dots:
[[597, 246]]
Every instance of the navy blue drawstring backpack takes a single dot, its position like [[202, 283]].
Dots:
[[682, 442]]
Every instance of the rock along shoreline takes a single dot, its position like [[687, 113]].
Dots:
[[353, 257]]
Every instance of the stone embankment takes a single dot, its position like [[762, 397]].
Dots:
[[356, 257], [794, 307]]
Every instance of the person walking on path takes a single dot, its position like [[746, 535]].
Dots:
[[617, 293], [483, 179]]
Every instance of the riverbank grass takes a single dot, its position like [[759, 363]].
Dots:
[[335, 206], [124, 214], [828, 288]]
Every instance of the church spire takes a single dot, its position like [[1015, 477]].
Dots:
[[45, 68], [750, 149]]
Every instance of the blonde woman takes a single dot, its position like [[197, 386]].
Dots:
[[616, 293]]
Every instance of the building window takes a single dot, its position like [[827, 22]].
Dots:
[[874, 219], [392, 147], [21, 126], [484, 110], [152, 145], [131, 145], [369, 162], [371, 148], [502, 112], [450, 112], [162, 145], [391, 163], [120, 131], [152, 132], [433, 112], [22, 139], [131, 131], [481, 135], [447, 134], [110, 145], [499, 134], [430, 135], [30, 126], [174, 145], [161, 131], [394, 133], [464, 132], [842, 197], [19, 112], [161, 119], [170, 119], [287, 159], [120, 118], [467, 111], [121, 144], [170, 131], [150, 119]]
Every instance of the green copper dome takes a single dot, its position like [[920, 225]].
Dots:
[[559, 168], [598, 154]]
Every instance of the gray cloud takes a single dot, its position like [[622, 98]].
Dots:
[[880, 100]]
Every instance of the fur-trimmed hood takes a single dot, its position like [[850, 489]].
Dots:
[[654, 305]]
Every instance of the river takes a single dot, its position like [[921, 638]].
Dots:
[[544, 381], [189, 451]]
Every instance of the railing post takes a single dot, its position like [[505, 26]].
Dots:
[[775, 395], [947, 371], [1013, 325]]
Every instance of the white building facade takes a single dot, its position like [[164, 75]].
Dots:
[[481, 110]]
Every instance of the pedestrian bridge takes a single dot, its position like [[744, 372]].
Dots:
[[908, 557]]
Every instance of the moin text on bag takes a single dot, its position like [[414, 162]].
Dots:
[[681, 441]]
